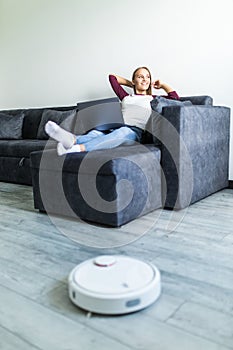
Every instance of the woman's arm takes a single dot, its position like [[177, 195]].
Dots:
[[123, 81], [116, 86], [158, 84], [167, 88]]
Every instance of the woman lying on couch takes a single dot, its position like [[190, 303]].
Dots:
[[136, 110]]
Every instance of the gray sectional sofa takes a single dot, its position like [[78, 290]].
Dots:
[[184, 158]]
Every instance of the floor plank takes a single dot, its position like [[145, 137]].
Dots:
[[10, 341], [46, 329], [205, 322]]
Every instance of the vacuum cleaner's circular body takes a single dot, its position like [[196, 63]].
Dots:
[[114, 284]]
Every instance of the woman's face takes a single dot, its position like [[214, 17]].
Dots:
[[142, 80]]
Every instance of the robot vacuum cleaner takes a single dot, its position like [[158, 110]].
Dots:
[[114, 284]]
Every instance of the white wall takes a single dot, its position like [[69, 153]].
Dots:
[[58, 52]]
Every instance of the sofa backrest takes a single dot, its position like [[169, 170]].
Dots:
[[36, 118], [82, 117], [33, 117]]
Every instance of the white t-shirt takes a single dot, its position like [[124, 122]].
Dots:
[[136, 110]]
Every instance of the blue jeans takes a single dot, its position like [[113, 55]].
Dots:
[[95, 139]]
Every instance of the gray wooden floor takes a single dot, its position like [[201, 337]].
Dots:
[[193, 250]]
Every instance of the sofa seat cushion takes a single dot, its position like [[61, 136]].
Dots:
[[112, 161], [23, 148]]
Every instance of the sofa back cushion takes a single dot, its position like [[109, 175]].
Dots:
[[31, 122], [159, 102], [33, 117], [63, 118], [11, 126], [102, 114]]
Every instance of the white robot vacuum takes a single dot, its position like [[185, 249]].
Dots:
[[114, 284]]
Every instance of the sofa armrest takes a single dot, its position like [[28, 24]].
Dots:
[[194, 152], [198, 100]]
